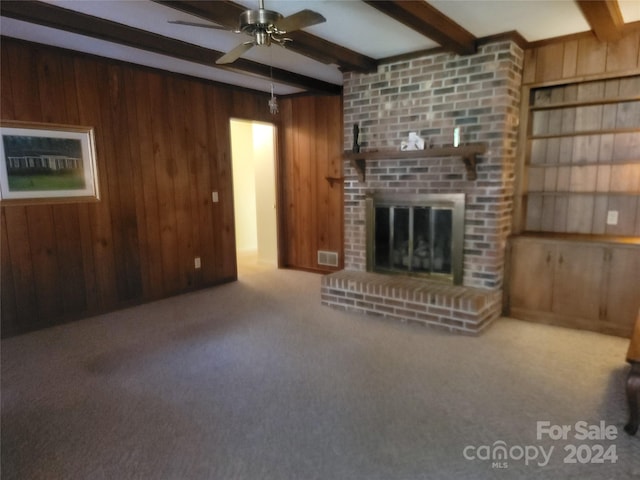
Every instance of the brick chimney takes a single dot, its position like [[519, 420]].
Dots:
[[432, 95]]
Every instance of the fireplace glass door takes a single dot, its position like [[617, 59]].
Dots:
[[413, 239], [419, 236]]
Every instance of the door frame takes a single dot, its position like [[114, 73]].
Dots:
[[278, 185]]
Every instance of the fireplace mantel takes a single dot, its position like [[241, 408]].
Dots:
[[466, 152]]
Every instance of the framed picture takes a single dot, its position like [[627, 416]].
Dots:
[[47, 163]]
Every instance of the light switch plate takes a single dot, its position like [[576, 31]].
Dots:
[[612, 217], [214, 197], [197, 263]]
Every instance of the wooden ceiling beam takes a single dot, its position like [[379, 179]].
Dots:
[[604, 17], [227, 14], [430, 22], [68, 20]]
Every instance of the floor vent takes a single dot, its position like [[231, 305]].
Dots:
[[330, 259]]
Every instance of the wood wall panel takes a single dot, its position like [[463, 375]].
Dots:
[[152, 270], [569, 58], [592, 56], [550, 62], [163, 146], [313, 207], [224, 179], [620, 54], [7, 276], [21, 267], [581, 56]]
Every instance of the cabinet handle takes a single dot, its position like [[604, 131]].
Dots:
[[561, 260]]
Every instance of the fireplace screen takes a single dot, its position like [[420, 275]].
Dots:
[[417, 235]]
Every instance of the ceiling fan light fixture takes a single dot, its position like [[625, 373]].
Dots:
[[262, 38]]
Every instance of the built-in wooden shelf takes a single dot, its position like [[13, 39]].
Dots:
[[334, 180], [570, 193], [585, 133], [582, 238], [583, 103], [466, 152], [578, 155]]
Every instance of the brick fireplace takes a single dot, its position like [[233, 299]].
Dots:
[[432, 95]]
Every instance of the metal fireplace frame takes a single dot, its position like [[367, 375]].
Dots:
[[450, 201]]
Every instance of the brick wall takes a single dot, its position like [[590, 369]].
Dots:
[[432, 95]]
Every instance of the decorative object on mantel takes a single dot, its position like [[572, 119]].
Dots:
[[456, 137], [356, 132], [414, 143], [466, 152], [358, 163]]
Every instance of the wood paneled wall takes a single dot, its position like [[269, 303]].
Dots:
[[312, 179], [163, 146], [581, 57]]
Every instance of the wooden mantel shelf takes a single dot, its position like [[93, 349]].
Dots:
[[466, 152]]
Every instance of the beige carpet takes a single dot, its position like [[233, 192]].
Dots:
[[256, 380]]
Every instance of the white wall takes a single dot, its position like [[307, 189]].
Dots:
[[265, 188], [254, 188], [244, 189]]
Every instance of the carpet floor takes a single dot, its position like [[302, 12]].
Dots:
[[257, 380]]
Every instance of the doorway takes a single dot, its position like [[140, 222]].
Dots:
[[253, 154]]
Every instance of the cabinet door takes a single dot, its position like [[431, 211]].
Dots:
[[623, 289], [578, 280], [531, 276]]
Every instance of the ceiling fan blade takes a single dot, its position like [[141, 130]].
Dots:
[[302, 19], [194, 24], [232, 55]]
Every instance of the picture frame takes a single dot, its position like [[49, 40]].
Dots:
[[47, 163]]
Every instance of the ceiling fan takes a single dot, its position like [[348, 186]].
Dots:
[[265, 26]]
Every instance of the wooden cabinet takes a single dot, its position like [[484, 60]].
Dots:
[[531, 279], [579, 283], [623, 286]]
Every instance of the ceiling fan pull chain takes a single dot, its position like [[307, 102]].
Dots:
[[273, 101]]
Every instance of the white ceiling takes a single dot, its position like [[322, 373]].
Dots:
[[350, 23]]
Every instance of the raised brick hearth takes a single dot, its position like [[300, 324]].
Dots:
[[432, 95], [428, 302]]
